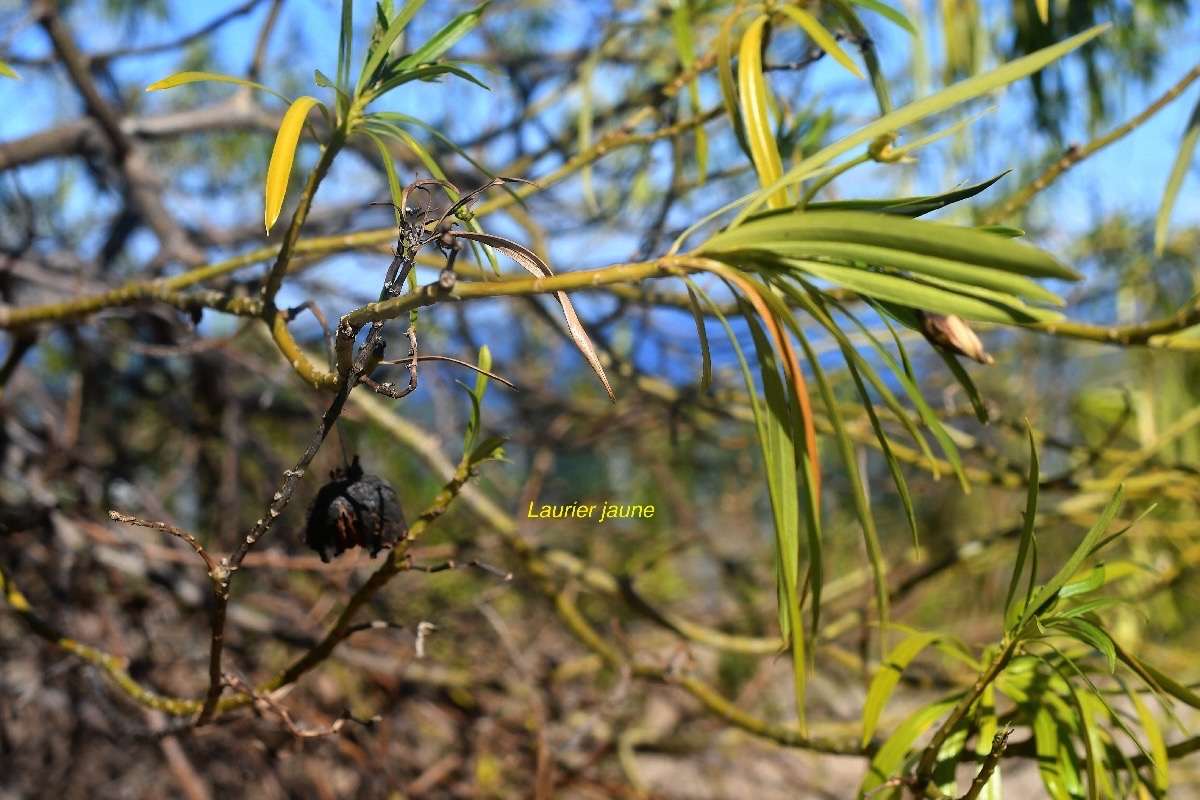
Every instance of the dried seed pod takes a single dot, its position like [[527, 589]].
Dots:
[[953, 334], [354, 510]]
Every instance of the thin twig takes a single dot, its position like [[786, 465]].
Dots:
[[117, 516]]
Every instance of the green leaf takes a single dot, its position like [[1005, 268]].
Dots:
[[846, 451], [902, 206], [756, 115], [182, 78], [476, 394], [729, 95], [1028, 540], [887, 12], [1050, 590], [956, 271], [1156, 744], [1089, 634], [870, 58], [1047, 746], [393, 179], [821, 37], [391, 32], [446, 38], [702, 337], [777, 440], [488, 449], [279, 170], [1183, 160], [888, 675], [1093, 581], [892, 754], [428, 72], [789, 623], [788, 234], [1158, 680], [908, 292], [961, 92], [345, 45]]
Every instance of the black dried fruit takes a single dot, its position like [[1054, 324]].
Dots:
[[354, 510]]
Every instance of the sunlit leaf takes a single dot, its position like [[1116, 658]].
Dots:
[[789, 234], [1183, 160], [789, 622], [887, 12], [961, 92], [756, 115], [887, 677], [1155, 742], [445, 38], [821, 37], [8, 71], [1050, 589], [392, 32], [183, 78], [903, 206], [893, 752], [279, 170]]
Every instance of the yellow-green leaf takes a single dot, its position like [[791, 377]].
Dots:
[[8, 71], [1179, 169], [822, 38], [282, 155], [752, 94], [1043, 10], [888, 676], [182, 78]]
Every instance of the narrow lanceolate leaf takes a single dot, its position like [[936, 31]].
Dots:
[[391, 32], [822, 38], [789, 623], [756, 114], [1182, 161], [790, 233], [888, 676], [859, 31], [890, 758], [182, 78], [1050, 590], [8, 71], [1154, 741], [959, 300], [887, 12], [282, 155], [702, 337], [530, 261], [1027, 535], [345, 52], [446, 38], [725, 79], [921, 109]]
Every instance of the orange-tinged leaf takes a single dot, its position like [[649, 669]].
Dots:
[[282, 155]]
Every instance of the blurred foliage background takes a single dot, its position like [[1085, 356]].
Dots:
[[629, 658]]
